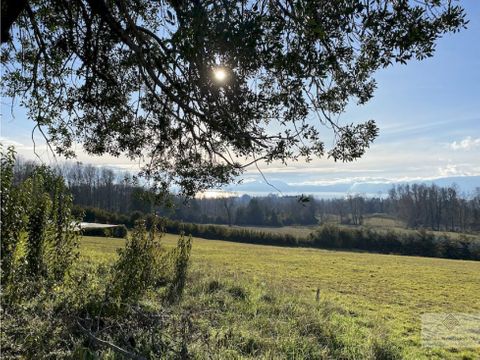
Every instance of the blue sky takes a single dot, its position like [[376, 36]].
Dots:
[[428, 113]]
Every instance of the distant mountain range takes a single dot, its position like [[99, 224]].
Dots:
[[380, 187]]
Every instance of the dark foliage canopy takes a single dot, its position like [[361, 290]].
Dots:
[[137, 77]]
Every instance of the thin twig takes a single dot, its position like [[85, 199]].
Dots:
[[265, 179], [110, 345]]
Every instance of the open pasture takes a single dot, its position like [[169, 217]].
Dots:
[[392, 291], [378, 222]]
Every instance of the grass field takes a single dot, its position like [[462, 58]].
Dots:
[[375, 222], [391, 291], [298, 231], [385, 223]]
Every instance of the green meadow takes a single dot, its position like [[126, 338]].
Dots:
[[369, 305], [378, 222]]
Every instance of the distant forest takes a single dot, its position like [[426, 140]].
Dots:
[[106, 195]]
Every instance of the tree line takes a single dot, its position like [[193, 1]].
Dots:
[[100, 192], [436, 208], [97, 187], [418, 206]]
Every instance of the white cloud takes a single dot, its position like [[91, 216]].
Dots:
[[9, 142], [40, 151], [345, 180], [468, 143], [455, 170]]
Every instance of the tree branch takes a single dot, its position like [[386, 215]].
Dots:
[[11, 10]]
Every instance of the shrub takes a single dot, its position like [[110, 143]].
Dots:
[[39, 242], [119, 231], [237, 235], [180, 257], [422, 243], [13, 213], [95, 232], [97, 215], [38, 211], [137, 268]]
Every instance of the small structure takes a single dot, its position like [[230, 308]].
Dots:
[[86, 225], [103, 230]]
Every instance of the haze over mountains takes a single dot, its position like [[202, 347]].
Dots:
[[368, 187]]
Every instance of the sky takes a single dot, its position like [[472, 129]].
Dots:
[[428, 113]]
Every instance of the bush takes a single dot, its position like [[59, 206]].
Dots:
[[180, 257], [39, 241], [421, 243], [138, 266], [13, 213], [144, 264], [235, 234], [96, 232], [120, 231], [97, 215]]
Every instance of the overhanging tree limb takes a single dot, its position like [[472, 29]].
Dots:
[[137, 78]]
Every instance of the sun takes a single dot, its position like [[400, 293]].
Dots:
[[220, 74]]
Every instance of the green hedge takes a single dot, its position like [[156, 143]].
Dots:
[[419, 243], [119, 231], [233, 234]]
